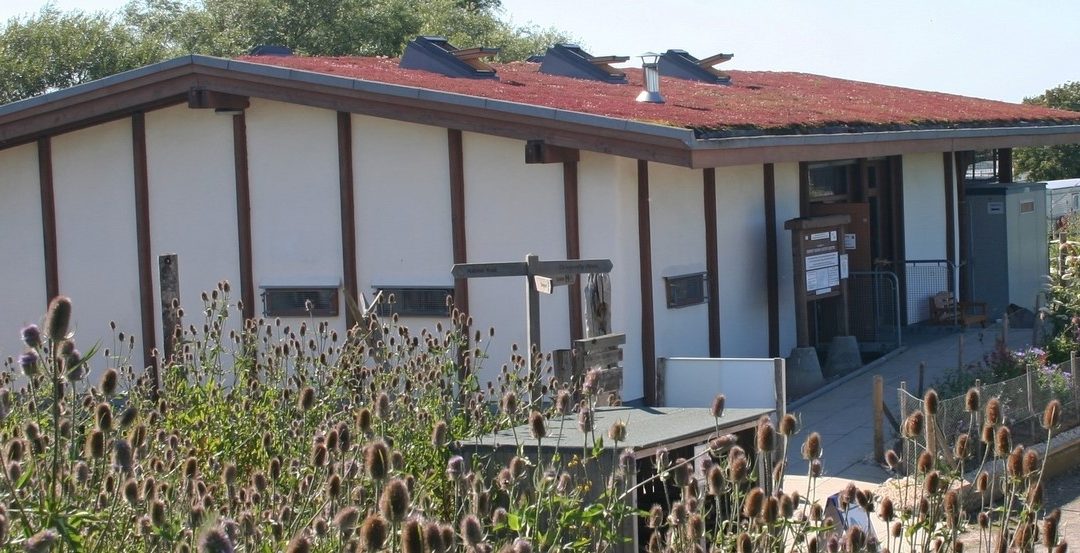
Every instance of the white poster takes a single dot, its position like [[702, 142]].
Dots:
[[821, 260], [843, 266]]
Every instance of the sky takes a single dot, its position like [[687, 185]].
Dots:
[[999, 49]]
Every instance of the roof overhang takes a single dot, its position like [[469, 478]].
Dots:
[[171, 82]]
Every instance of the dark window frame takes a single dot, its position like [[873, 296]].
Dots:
[[409, 301], [679, 296], [290, 301]]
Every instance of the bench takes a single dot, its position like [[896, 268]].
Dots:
[[945, 310]]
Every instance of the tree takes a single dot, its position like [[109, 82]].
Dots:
[[53, 49], [1052, 162]]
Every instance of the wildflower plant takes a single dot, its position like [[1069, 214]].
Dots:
[[276, 435]]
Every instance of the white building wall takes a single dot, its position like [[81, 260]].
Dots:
[[23, 267], [512, 209], [401, 177], [677, 220], [608, 228], [740, 229], [786, 178], [93, 181], [295, 209], [192, 184], [924, 229]]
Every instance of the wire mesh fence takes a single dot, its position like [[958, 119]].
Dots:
[[923, 278], [1022, 399], [874, 310]]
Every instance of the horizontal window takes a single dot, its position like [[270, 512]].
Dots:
[[300, 301], [415, 301], [684, 290]]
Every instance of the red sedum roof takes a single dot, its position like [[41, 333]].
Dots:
[[762, 101]]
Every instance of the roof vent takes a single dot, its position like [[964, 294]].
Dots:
[[680, 64], [271, 50], [434, 53], [570, 60]]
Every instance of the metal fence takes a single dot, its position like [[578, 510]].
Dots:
[[874, 310], [1023, 400], [923, 278]]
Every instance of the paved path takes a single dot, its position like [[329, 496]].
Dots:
[[844, 415]]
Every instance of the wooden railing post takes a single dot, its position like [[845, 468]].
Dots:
[[879, 406]]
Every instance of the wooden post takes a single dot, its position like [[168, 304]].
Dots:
[[879, 431], [780, 382], [960, 352], [661, 377], [532, 325], [1005, 328], [169, 285], [1075, 386], [1029, 383], [1038, 321], [922, 373], [902, 417]]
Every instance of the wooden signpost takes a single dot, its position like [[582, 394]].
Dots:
[[820, 267], [540, 277]]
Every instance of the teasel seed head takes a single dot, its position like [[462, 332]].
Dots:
[[275, 468], [892, 460], [855, 539], [395, 502], [752, 503], [717, 408], [103, 416], [952, 508], [333, 487], [382, 406], [743, 543], [412, 538], [1051, 415], [563, 402], [299, 544], [656, 517], [585, 419], [377, 460], [364, 421], [617, 431], [679, 513], [122, 455], [738, 469], [815, 468], [886, 511], [471, 531], [932, 482], [681, 472], [930, 403], [1035, 495], [131, 492], [346, 519], [788, 425], [925, 462], [816, 512], [913, 425], [972, 400], [992, 415], [42, 542], [215, 540], [58, 318], [433, 538], [439, 433], [1050, 528], [537, 428], [770, 510], [812, 447], [715, 478], [1002, 441], [961, 448]]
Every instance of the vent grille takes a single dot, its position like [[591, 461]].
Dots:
[[415, 301], [570, 60], [686, 290], [293, 301]]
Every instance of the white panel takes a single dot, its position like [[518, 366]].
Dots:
[[192, 181], [23, 267], [745, 383], [740, 229], [511, 210], [295, 208], [607, 198], [924, 223], [786, 177], [93, 179], [924, 206], [402, 195], [677, 217]]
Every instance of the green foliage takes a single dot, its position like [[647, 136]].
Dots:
[[54, 49], [1052, 162]]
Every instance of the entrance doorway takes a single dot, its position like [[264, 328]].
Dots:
[[868, 191]]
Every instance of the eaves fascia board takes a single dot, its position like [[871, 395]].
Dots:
[[880, 136]]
